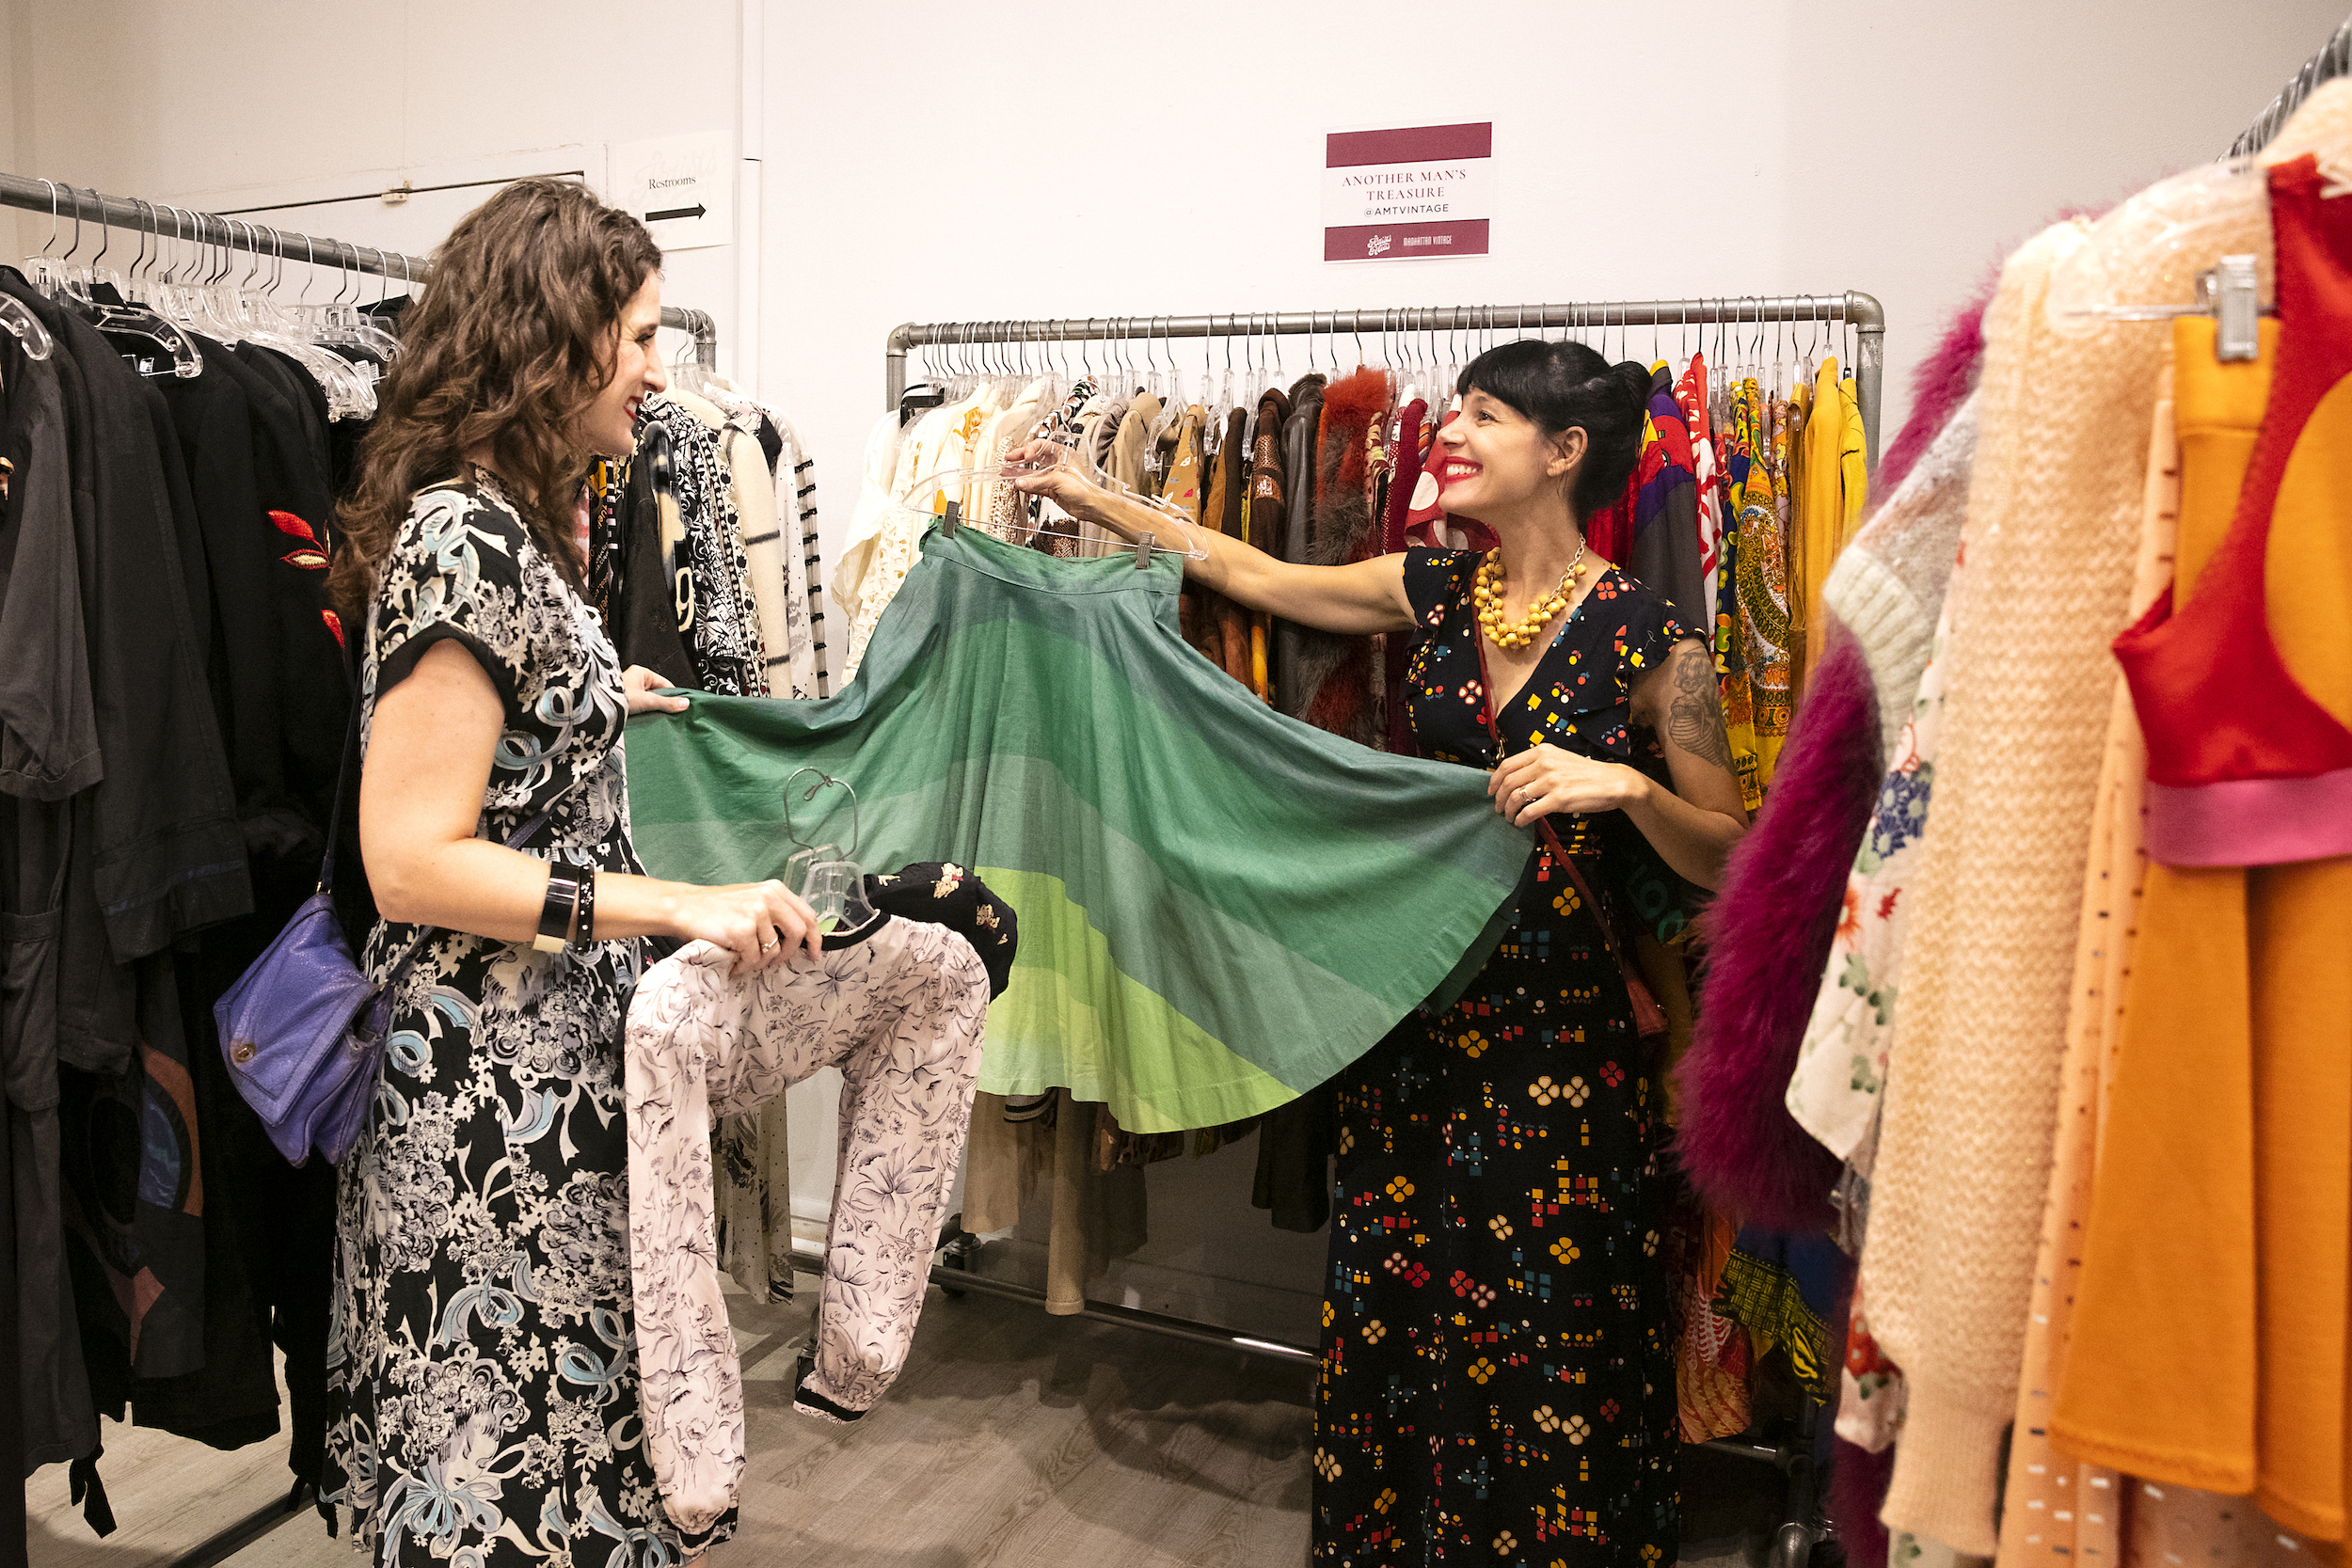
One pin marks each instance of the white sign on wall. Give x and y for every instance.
(682, 187)
(1408, 193)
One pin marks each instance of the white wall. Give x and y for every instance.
(257, 101)
(926, 161)
(1171, 165)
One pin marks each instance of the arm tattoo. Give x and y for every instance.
(1694, 718)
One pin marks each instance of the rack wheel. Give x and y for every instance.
(1792, 1547)
(955, 1247)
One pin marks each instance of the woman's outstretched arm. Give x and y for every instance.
(1356, 599)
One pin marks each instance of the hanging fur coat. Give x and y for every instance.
(1340, 677)
(1298, 485)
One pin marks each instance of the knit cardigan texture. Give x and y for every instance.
(1888, 585)
(2052, 525)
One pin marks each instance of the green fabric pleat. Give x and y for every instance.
(1220, 907)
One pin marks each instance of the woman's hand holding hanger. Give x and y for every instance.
(1361, 597)
(1060, 481)
(762, 924)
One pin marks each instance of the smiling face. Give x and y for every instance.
(1493, 460)
(609, 426)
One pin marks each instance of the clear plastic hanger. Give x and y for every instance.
(124, 320)
(348, 395)
(829, 879)
(40, 270)
(100, 276)
(2204, 234)
(21, 323)
(921, 499)
(73, 281)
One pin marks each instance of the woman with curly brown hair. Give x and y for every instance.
(484, 1386)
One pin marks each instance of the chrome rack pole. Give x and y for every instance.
(117, 211)
(1859, 311)
(2333, 60)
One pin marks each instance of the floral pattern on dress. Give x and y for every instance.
(1836, 1091)
(898, 1006)
(484, 1388)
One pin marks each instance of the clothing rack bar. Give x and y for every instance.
(2334, 59)
(1859, 311)
(954, 1275)
(224, 1545)
(201, 228)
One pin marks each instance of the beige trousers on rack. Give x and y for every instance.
(900, 1010)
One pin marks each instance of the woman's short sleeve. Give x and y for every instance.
(1651, 630)
(1434, 581)
(455, 575)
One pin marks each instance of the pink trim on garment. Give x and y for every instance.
(2251, 821)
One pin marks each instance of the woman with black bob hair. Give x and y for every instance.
(1498, 1379)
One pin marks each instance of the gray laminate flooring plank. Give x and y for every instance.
(168, 1494)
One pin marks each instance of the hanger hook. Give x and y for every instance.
(77, 224)
(130, 279)
(823, 780)
(105, 230)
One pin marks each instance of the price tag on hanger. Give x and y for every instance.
(1407, 194)
(681, 188)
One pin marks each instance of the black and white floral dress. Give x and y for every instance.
(484, 1359)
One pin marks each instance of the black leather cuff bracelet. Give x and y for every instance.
(557, 913)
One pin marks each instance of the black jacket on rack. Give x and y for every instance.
(170, 743)
(48, 754)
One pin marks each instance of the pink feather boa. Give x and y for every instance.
(1858, 1490)
(1769, 937)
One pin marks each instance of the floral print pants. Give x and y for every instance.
(898, 1006)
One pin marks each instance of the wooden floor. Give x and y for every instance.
(1012, 1438)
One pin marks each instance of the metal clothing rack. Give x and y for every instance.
(1792, 1453)
(1859, 311)
(2334, 59)
(195, 227)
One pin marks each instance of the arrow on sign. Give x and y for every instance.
(694, 212)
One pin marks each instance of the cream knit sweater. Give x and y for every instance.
(2052, 518)
(1888, 584)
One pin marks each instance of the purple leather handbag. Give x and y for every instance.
(303, 1028)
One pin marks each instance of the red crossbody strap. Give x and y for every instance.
(1649, 1020)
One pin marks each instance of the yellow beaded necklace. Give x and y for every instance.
(1486, 592)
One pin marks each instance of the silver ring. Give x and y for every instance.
(765, 946)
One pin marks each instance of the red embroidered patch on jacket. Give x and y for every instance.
(333, 624)
(288, 523)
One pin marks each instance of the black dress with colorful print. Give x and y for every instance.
(1498, 1377)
